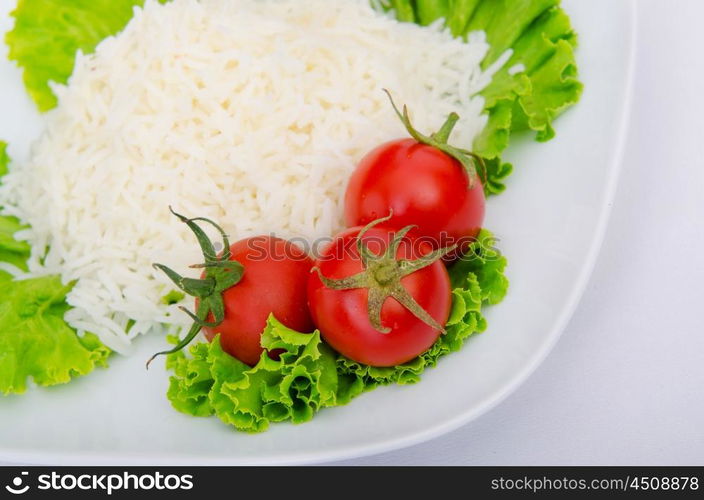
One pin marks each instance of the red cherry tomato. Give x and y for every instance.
(275, 278)
(421, 185)
(343, 317)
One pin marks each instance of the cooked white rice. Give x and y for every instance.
(252, 113)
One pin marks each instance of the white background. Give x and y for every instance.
(625, 384)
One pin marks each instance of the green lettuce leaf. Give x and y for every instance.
(404, 9)
(309, 376)
(211, 382)
(496, 173)
(36, 342)
(4, 158)
(428, 11)
(542, 40)
(547, 50)
(48, 33)
(12, 251)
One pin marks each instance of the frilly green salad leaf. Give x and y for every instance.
(48, 33)
(35, 341)
(210, 381)
(12, 251)
(542, 40)
(308, 375)
(4, 158)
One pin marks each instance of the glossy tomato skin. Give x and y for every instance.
(423, 186)
(341, 315)
(274, 282)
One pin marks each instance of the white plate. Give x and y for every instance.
(550, 221)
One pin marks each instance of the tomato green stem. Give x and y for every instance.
(443, 135)
(472, 163)
(195, 329)
(220, 273)
(382, 274)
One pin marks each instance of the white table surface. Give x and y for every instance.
(625, 384)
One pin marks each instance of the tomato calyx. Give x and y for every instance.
(472, 162)
(220, 273)
(382, 277)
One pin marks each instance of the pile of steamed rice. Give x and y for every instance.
(250, 112)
